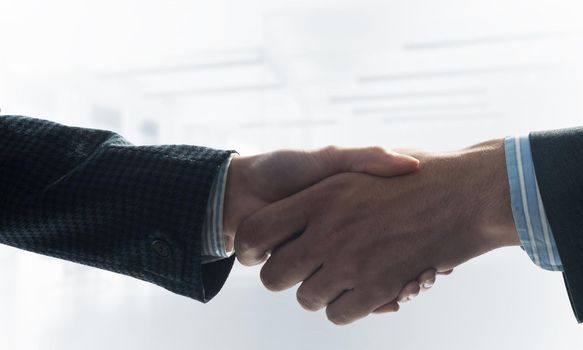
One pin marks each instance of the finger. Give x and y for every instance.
(320, 289)
(392, 306)
(446, 272)
(409, 291)
(291, 263)
(356, 304)
(427, 279)
(270, 227)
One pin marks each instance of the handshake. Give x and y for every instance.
(365, 229)
(361, 229)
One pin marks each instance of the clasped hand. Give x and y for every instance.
(363, 229)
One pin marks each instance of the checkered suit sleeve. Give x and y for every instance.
(91, 197)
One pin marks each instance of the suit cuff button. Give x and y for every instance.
(161, 248)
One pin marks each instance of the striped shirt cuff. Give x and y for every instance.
(213, 240)
(527, 207)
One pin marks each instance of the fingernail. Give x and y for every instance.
(408, 298)
(408, 158)
(427, 285)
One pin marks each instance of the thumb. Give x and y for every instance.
(370, 160)
(286, 172)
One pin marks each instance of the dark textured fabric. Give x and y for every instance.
(91, 197)
(558, 161)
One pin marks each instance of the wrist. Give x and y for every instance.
(484, 181)
(240, 201)
(466, 192)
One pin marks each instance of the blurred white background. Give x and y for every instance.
(257, 75)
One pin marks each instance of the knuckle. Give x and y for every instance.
(392, 307)
(331, 149)
(246, 255)
(377, 150)
(246, 243)
(307, 253)
(416, 288)
(243, 241)
(386, 291)
(246, 230)
(380, 288)
(329, 155)
(339, 318)
(307, 300)
(296, 265)
(347, 273)
(270, 277)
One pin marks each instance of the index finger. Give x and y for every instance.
(270, 227)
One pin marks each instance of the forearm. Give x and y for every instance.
(91, 197)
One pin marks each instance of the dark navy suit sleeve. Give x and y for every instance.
(91, 197)
(558, 162)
